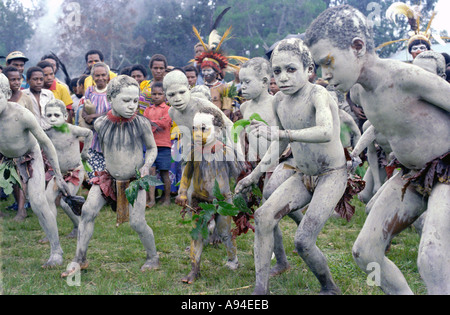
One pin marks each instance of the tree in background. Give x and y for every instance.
(15, 26)
(167, 28)
(258, 24)
(384, 29)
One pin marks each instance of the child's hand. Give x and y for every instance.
(62, 185)
(244, 185)
(260, 129)
(181, 200)
(85, 156)
(145, 170)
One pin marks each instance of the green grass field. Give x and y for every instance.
(116, 255)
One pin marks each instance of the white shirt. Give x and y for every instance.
(45, 97)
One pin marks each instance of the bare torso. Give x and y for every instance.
(417, 131)
(15, 138)
(311, 158)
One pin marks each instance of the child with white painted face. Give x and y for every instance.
(208, 164)
(21, 141)
(410, 106)
(65, 137)
(122, 135)
(308, 120)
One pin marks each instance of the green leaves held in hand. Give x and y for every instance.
(202, 220)
(240, 203)
(141, 183)
(256, 116)
(240, 125)
(8, 178)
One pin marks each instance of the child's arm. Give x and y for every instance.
(270, 159)
(367, 137)
(348, 120)
(163, 123)
(47, 146)
(322, 132)
(431, 88)
(88, 136)
(152, 149)
(185, 183)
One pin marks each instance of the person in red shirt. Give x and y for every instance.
(158, 114)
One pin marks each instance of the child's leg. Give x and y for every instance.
(139, 224)
(434, 249)
(224, 230)
(389, 215)
(19, 196)
(166, 180)
(151, 192)
(292, 194)
(39, 205)
(195, 254)
(91, 208)
(73, 192)
(329, 190)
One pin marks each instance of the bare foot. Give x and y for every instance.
(260, 291)
(73, 268)
(73, 234)
(44, 241)
(278, 269)
(151, 264)
(190, 278)
(20, 217)
(54, 261)
(150, 204)
(233, 264)
(333, 290)
(165, 202)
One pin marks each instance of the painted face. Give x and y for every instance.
(126, 102)
(138, 76)
(289, 72)
(36, 81)
(339, 67)
(251, 84)
(203, 129)
(14, 80)
(101, 77)
(192, 78)
(178, 96)
(417, 49)
(49, 77)
(92, 60)
(209, 74)
(54, 116)
(158, 70)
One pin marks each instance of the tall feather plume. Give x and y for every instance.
(197, 34)
(224, 38)
(219, 19)
(400, 8)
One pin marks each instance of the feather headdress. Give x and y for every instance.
(413, 14)
(213, 56)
